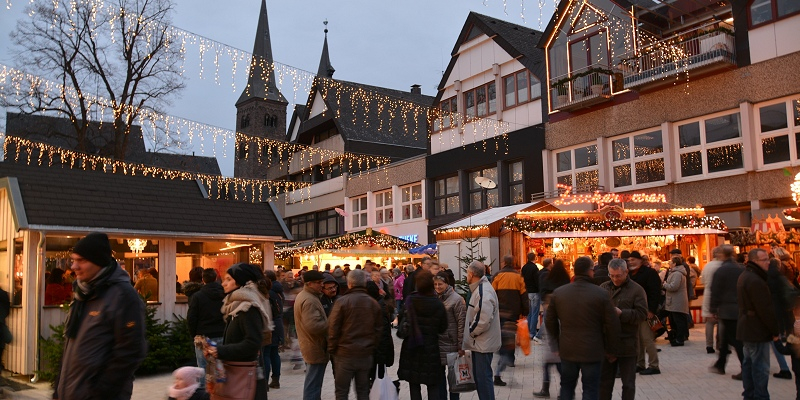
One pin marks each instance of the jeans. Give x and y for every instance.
(590, 379)
(198, 353)
(533, 315)
(482, 366)
(312, 386)
(755, 370)
(646, 345)
(727, 337)
(415, 390)
(627, 372)
(348, 368)
(780, 357)
(272, 361)
(443, 388)
(538, 334)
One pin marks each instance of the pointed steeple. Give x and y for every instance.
(261, 82)
(325, 70)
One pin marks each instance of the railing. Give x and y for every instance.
(705, 46)
(591, 83)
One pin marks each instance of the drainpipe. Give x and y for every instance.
(40, 254)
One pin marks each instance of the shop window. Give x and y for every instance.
(19, 259)
(515, 183)
(521, 87)
(638, 159)
(359, 212)
(411, 202)
(577, 167)
(445, 196)
(216, 255)
(779, 130)
(480, 198)
(384, 210)
(710, 145)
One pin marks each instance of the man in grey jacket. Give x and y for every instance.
(725, 307)
(483, 328)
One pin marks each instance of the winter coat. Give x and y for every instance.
(243, 340)
(355, 325)
(757, 322)
(99, 362)
(708, 278)
(384, 351)
(649, 280)
(781, 291)
(724, 301)
(482, 326)
(312, 327)
(582, 320)
(189, 288)
(511, 294)
(398, 287)
(204, 316)
(199, 394)
(530, 273)
(147, 287)
(675, 287)
(276, 300)
(420, 363)
(456, 309)
(601, 275)
(632, 300)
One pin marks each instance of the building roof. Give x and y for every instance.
(72, 200)
(518, 41)
(59, 132)
(262, 58)
(325, 69)
(491, 215)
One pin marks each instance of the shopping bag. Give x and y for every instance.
(383, 388)
(460, 377)
(523, 336)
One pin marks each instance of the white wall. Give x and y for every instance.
(451, 250)
(775, 40)
(398, 227)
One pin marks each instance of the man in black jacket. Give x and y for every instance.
(409, 286)
(724, 305)
(204, 316)
(530, 273)
(105, 340)
(648, 279)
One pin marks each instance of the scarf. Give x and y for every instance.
(82, 292)
(240, 300)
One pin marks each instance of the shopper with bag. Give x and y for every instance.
(450, 341)
(419, 354)
(248, 322)
(482, 330)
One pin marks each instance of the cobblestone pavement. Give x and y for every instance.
(684, 375)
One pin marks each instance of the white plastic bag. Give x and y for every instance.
(460, 377)
(383, 388)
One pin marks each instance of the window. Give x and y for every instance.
(301, 226)
(711, 145)
(244, 122)
(447, 109)
(779, 130)
(515, 186)
(445, 196)
(359, 212)
(411, 201)
(328, 223)
(578, 168)
(480, 101)
(384, 211)
(520, 87)
(480, 198)
(763, 11)
(216, 255)
(638, 159)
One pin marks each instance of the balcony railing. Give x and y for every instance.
(582, 88)
(705, 48)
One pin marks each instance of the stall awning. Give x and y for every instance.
(620, 233)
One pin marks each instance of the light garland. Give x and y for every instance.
(460, 229)
(364, 238)
(219, 187)
(587, 224)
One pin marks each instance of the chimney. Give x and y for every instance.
(415, 89)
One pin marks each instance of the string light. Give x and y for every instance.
(367, 238)
(459, 229)
(567, 198)
(597, 223)
(219, 187)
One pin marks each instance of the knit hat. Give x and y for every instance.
(95, 248)
(243, 273)
(635, 254)
(338, 273)
(312, 276)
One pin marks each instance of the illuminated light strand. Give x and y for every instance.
(348, 240)
(460, 229)
(567, 198)
(598, 223)
(219, 187)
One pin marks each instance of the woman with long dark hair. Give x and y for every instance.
(555, 278)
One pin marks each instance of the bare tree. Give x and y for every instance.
(117, 57)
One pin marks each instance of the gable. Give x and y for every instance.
(588, 16)
(474, 65)
(473, 33)
(318, 106)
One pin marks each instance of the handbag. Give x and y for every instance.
(460, 377)
(240, 383)
(655, 324)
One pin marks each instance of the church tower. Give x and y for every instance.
(261, 108)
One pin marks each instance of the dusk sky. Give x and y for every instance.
(392, 44)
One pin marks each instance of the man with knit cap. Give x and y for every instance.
(105, 336)
(312, 333)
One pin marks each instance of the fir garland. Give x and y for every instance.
(362, 238)
(576, 224)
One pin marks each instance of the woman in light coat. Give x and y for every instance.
(677, 301)
(450, 341)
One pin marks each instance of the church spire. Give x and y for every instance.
(261, 82)
(325, 68)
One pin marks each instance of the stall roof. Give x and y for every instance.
(620, 233)
(60, 199)
(495, 214)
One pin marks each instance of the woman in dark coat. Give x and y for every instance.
(419, 355)
(247, 316)
(272, 359)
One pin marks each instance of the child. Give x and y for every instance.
(187, 384)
